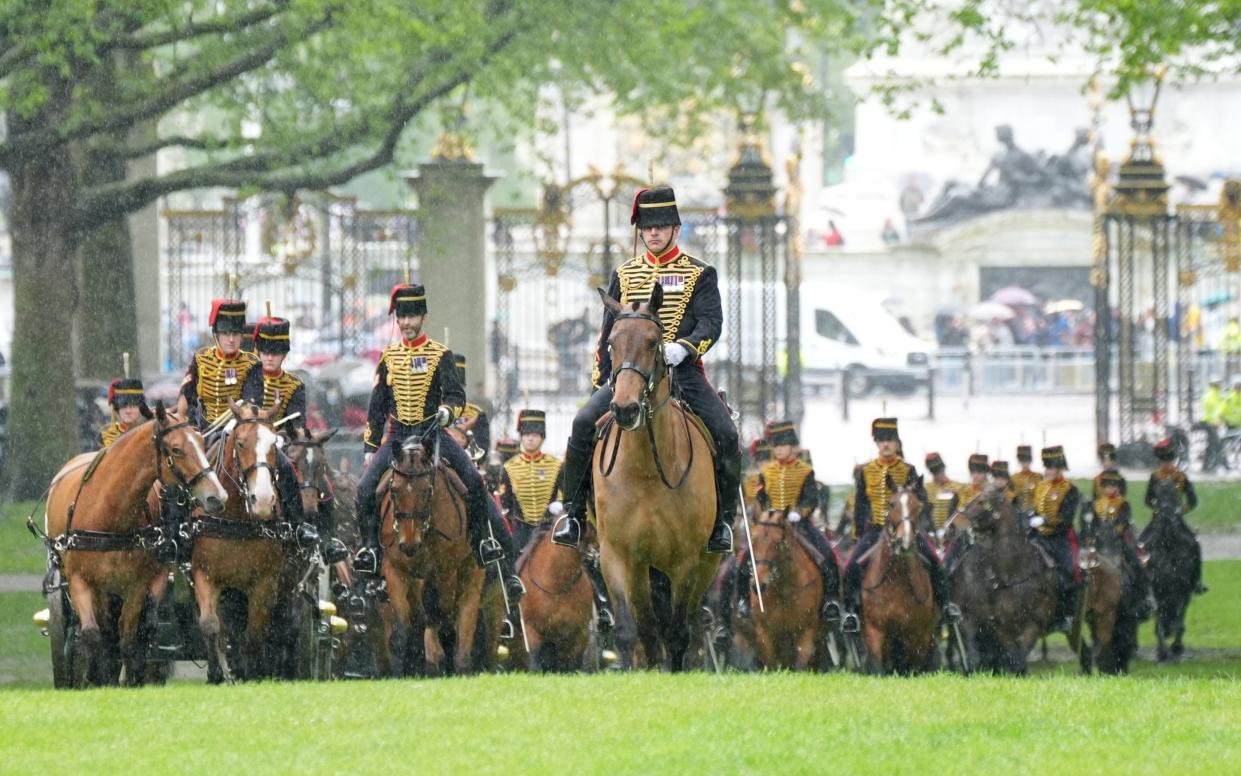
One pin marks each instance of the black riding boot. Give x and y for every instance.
(1199, 588)
(943, 601)
(306, 535)
(367, 559)
(831, 592)
(604, 620)
(728, 477)
(575, 472)
(851, 622)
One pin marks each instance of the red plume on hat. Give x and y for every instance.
(633, 214)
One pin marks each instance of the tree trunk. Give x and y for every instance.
(107, 318)
(42, 425)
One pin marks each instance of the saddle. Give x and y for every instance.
(815, 556)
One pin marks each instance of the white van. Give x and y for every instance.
(850, 333)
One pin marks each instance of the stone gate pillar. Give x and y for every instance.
(452, 256)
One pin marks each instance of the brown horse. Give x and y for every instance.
(434, 584)
(1108, 608)
(900, 619)
(654, 497)
(97, 518)
(557, 607)
(790, 633)
(243, 550)
(1004, 586)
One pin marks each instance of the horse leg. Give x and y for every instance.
(804, 647)
(400, 631)
(626, 632)
(875, 653)
(133, 647)
(466, 624)
(208, 600)
(82, 597)
(258, 627)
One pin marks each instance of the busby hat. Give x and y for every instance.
(781, 432)
(883, 428)
(760, 450)
(999, 469)
(1107, 451)
(655, 207)
(407, 299)
(507, 448)
(1024, 453)
(228, 316)
(271, 335)
(1053, 457)
(532, 422)
(934, 463)
(1111, 478)
(126, 392)
(979, 463)
(1165, 450)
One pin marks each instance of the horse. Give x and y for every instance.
(654, 496)
(242, 550)
(900, 620)
(434, 584)
(1173, 553)
(1005, 587)
(789, 634)
(1108, 607)
(102, 536)
(556, 609)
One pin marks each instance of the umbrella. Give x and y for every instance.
(985, 311)
(1014, 295)
(1063, 306)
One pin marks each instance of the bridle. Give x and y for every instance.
(901, 534)
(646, 408)
(164, 456)
(309, 480)
(423, 513)
(242, 481)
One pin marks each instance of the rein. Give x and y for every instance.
(647, 410)
(426, 508)
(323, 489)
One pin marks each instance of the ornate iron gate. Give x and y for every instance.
(327, 267)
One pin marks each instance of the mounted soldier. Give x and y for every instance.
(1025, 480)
(126, 397)
(1003, 481)
(943, 495)
(1165, 452)
(474, 417)
(873, 488)
(1107, 460)
(418, 393)
(531, 491)
(1111, 511)
(1056, 502)
(692, 317)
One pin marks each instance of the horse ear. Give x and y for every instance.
(236, 409)
(145, 409)
(322, 437)
(611, 304)
(160, 413)
(398, 454)
(657, 299)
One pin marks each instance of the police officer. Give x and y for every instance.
(1025, 480)
(126, 397)
(1056, 501)
(692, 318)
(530, 491)
(871, 504)
(1165, 452)
(1111, 511)
(418, 391)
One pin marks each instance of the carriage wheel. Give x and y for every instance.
(63, 638)
(308, 647)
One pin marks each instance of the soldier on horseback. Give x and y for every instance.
(1107, 459)
(873, 488)
(126, 397)
(692, 318)
(531, 489)
(1001, 479)
(418, 392)
(943, 494)
(1055, 504)
(1025, 480)
(1165, 451)
(1112, 511)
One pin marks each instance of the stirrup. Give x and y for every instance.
(850, 623)
(831, 610)
(567, 532)
(721, 541)
(490, 551)
(952, 612)
(507, 631)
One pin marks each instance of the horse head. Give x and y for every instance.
(412, 490)
(251, 449)
(180, 448)
(638, 368)
(902, 511)
(305, 451)
(772, 543)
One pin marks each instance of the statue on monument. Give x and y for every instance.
(1017, 178)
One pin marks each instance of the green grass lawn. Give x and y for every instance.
(20, 553)
(638, 723)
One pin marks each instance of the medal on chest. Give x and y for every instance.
(418, 365)
(672, 284)
(230, 376)
(542, 474)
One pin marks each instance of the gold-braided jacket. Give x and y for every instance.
(533, 481)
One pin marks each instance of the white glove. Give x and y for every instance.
(794, 517)
(443, 416)
(366, 459)
(555, 509)
(939, 534)
(675, 353)
(1036, 521)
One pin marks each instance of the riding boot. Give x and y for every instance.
(728, 478)
(851, 622)
(605, 620)
(831, 593)
(514, 590)
(1199, 588)
(939, 588)
(366, 560)
(575, 472)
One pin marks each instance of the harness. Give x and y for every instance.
(423, 513)
(646, 409)
(240, 530)
(786, 528)
(323, 489)
(117, 541)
